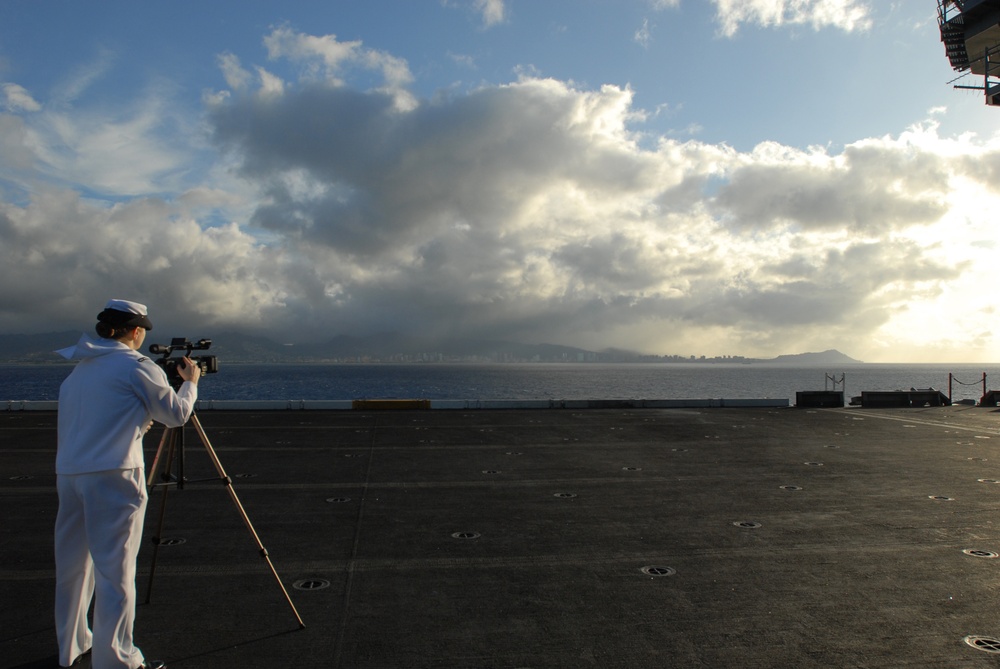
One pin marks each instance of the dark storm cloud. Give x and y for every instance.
(348, 169)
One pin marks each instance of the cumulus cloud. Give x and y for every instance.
(61, 254)
(17, 98)
(873, 186)
(531, 210)
(849, 15)
(327, 59)
(492, 12)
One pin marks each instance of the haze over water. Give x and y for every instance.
(534, 381)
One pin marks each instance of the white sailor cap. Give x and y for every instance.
(119, 313)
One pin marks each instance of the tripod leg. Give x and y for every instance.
(228, 482)
(170, 439)
(167, 436)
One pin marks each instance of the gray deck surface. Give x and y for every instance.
(515, 539)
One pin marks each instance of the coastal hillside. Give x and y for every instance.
(234, 347)
(831, 357)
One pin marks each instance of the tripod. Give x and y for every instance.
(173, 443)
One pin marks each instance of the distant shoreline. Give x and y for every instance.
(552, 363)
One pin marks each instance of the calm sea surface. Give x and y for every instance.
(533, 381)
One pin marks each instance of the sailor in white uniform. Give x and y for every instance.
(105, 406)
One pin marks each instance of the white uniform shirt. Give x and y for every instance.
(106, 403)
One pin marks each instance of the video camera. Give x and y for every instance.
(208, 363)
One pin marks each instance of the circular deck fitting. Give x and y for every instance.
(659, 571)
(565, 495)
(311, 584)
(514, 453)
(170, 541)
(988, 480)
(941, 498)
(466, 535)
(631, 469)
(492, 471)
(679, 450)
(747, 524)
(338, 500)
(790, 487)
(831, 446)
(988, 644)
(814, 464)
(975, 552)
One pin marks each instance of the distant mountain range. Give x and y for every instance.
(233, 347)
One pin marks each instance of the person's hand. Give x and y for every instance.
(190, 371)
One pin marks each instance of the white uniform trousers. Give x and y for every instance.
(97, 537)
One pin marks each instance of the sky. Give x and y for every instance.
(721, 177)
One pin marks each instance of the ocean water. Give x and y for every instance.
(535, 381)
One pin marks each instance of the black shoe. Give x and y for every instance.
(152, 665)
